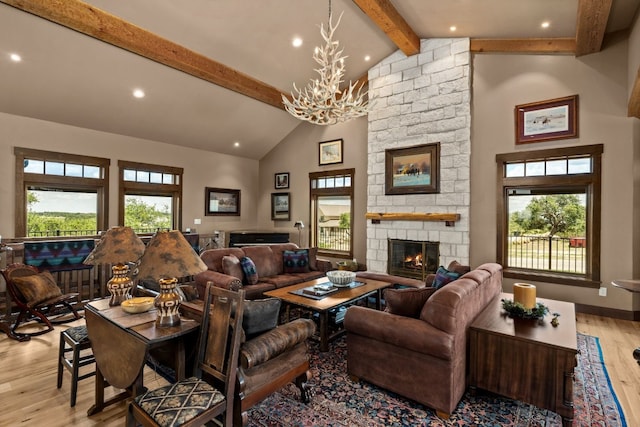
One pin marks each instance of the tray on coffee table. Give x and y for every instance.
(324, 289)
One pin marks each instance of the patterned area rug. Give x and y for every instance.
(338, 401)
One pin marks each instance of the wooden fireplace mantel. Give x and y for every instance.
(412, 216)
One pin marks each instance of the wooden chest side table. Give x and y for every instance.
(526, 360)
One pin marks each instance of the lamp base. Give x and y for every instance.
(120, 284)
(168, 303)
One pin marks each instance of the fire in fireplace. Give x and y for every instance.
(410, 258)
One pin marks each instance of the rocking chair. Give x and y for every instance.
(37, 295)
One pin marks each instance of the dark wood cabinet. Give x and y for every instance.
(528, 360)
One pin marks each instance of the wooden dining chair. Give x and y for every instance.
(36, 294)
(208, 394)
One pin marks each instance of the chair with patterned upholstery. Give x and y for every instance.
(207, 395)
(36, 294)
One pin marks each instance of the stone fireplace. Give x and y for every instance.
(414, 259)
(422, 99)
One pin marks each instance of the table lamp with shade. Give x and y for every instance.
(169, 256)
(118, 246)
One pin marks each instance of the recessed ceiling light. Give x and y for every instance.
(545, 24)
(367, 58)
(236, 144)
(296, 42)
(452, 28)
(15, 57)
(138, 93)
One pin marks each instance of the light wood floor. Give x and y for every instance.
(30, 398)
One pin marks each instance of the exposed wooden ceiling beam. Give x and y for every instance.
(543, 46)
(385, 16)
(86, 19)
(634, 99)
(591, 24)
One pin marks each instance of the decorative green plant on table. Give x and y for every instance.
(516, 309)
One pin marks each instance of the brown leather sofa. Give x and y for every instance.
(424, 357)
(268, 260)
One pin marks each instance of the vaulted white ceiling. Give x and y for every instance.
(68, 77)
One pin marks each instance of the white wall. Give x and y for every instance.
(298, 155)
(201, 169)
(500, 82)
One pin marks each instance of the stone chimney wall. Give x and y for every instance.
(422, 99)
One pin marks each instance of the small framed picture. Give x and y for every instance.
(221, 201)
(282, 180)
(280, 206)
(330, 152)
(547, 120)
(413, 170)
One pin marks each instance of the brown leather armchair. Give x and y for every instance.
(271, 357)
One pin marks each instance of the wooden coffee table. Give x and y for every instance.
(323, 306)
(526, 360)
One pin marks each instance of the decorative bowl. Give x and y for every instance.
(137, 305)
(341, 278)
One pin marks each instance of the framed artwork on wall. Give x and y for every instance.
(281, 180)
(280, 203)
(547, 120)
(330, 152)
(221, 201)
(412, 170)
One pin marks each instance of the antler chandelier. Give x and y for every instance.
(322, 102)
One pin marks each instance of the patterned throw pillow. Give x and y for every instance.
(407, 302)
(296, 261)
(37, 288)
(249, 270)
(444, 276)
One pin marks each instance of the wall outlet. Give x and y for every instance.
(602, 292)
(197, 221)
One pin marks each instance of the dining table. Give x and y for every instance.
(121, 342)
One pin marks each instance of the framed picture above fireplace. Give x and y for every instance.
(412, 170)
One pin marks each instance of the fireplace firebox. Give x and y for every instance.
(414, 259)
